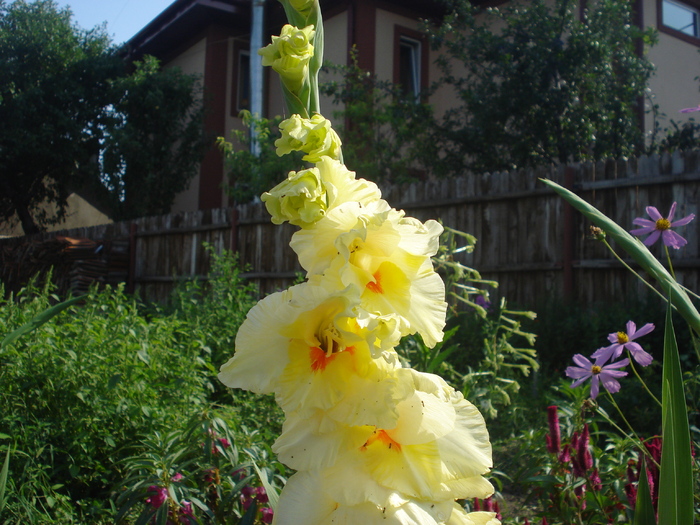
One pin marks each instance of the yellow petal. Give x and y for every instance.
(261, 351)
(461, 517)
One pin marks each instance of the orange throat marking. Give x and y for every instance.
(319, 359)
(376, 286)
(382, 437)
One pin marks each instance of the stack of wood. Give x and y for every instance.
(74, 264)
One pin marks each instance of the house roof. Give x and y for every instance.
(186, 17)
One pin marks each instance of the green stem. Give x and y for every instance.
(670, 264)
(647, 283)
(642, 380)
(622, 415)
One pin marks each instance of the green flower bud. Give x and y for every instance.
(289, 54)
(313, 136)
(301, 199)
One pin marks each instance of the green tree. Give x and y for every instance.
(74, 116)
(53, 91)
(386, 134)
(154, 141)
(537, 85)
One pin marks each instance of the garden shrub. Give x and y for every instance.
(90, 388)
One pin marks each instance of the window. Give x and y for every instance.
(240, 86)
(681, 19)
(410, 61)
(243, 98)
(409, 66)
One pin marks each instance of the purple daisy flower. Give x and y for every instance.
(597, 372)
(661, 227)
(622, 341)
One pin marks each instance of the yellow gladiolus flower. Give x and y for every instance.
(437, 450)
(305, 500)
(384, 254)
(461, 517)
(313, 136)
(307, 195)
(307, 347)
(289, 54)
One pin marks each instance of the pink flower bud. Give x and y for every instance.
(554, 436)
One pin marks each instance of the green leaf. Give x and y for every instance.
(3, 479)
(249, 517)
(38, 320)
(636, 249)
(676, 476)
(272, 495)
(644, 510)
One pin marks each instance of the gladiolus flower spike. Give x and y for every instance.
(370, 441)
(597, 372)
(661, 227)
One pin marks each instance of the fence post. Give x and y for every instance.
(568, 248)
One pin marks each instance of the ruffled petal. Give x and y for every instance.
(460, 517)
(261, 351)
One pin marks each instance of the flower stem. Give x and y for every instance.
(670, 264)
(642, 380)
(631, 270)
(619, 411)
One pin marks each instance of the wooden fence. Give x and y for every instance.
(529, 240)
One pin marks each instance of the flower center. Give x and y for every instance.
(382, 437)
(622, 338)
(663, 224)
(595, 369)
(376, 286)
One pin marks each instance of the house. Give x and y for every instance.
(211, 38)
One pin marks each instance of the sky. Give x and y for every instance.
(124, 18)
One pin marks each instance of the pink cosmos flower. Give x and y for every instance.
(177, 477)
(661, 227)
(625, 341)
(266, 514)
(597, 372)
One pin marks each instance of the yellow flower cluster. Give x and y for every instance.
(371, 442)
(289, 54)
(313, 136)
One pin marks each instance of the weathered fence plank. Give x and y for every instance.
(527, 240)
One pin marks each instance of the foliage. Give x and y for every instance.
(53, 92)
(201, 474)
(386, 133)
(556, 482)
(252, 174)
(536, 85)
(100, 381)
(155, 139)
(65, 95)
(478, 354)
(685, 136)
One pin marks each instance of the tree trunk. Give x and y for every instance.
(29, 227)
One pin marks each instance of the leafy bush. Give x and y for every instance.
(99, 382)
